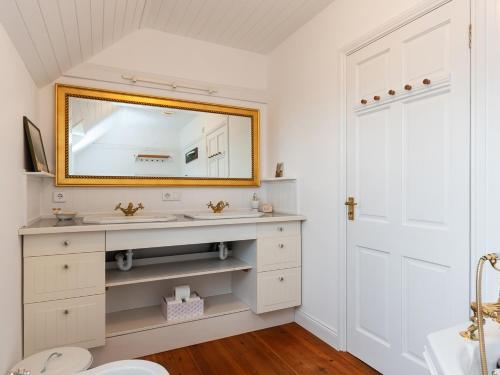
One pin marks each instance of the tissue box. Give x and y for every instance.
(192, 308)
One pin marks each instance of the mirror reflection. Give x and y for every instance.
(109, 138)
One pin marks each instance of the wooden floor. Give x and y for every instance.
(282, 350)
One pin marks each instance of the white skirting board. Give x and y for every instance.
(317, 328)
(177, 336)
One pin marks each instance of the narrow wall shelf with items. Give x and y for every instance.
(39, 174)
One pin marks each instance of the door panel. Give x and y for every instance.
(408, 169)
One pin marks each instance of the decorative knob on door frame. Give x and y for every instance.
(426, 81)
(408, 87)
(391, 92)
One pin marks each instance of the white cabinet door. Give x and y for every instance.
(408, 169)
(218, 158)
(278, 290)
(75, 321)
(63, 276)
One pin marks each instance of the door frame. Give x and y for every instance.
(478, 137)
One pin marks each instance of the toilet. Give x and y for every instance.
(73, 360)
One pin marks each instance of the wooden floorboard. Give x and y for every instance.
(284, 350)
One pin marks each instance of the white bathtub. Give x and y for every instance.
(447, 353)
(130, 367)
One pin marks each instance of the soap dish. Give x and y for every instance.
(64, 215)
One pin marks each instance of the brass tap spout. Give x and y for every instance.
(219, 207)
(130, 210)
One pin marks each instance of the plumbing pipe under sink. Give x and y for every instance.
(124, 260)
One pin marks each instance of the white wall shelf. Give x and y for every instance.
(174, 270)
(146, 318)
(39, 174)
(278, 179)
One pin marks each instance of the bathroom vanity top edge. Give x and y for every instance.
(51, 226)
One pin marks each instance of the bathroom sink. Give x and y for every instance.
(224, 215)
(115, 219)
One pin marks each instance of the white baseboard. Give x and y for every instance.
(318, 328)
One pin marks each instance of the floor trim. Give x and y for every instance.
(318, 328)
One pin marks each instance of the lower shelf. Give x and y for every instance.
(145, 318)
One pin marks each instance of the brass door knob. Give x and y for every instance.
(408, 87)
(350, 203)
(426, 81)
(391, 92)
(364, 101)
(376, 98)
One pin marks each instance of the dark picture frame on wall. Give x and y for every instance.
(35, 145)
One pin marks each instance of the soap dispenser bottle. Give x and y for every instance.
(255, 202)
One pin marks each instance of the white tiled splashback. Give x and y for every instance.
(283, 196)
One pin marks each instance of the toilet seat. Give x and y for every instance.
(70, 361)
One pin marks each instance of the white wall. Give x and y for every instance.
(18, 96)
(160, 55)
(305, 134)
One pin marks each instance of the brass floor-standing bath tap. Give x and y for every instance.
(480, 310)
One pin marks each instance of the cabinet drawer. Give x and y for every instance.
(278, 289)
(290, 228)
(63, 243)
(63, 276)
(275, 253)
(75, 321)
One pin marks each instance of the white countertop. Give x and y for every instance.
(47, 226)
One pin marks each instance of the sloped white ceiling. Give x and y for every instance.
(53, 36)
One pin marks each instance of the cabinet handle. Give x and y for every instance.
(408, 87)
(66, 312)
(281, 246)
(376, 98)
(280, 229)
(66, 267)
(66, 243)
(364, 101)
(391, 92)
(426, 81)
(281, 278)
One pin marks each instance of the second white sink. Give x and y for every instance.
(98, 219)
(224, 215)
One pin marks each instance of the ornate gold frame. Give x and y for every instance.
(63, 92)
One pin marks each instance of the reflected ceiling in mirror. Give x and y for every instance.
(112, 138)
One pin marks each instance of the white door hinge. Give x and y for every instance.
(470, 35)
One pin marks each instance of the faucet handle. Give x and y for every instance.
(118, 206)
(140, 206)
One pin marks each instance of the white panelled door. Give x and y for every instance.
(408, 170)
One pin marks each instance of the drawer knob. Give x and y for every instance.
(281, 278)
(66, 243)
(281, 246)
(66, 312)
(66, 267)
(280, 229)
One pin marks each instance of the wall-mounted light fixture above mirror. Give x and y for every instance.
(109, 138)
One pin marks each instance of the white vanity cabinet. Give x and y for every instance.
(64, 301)
(72, 298)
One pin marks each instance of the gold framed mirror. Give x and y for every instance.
(110, 138)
